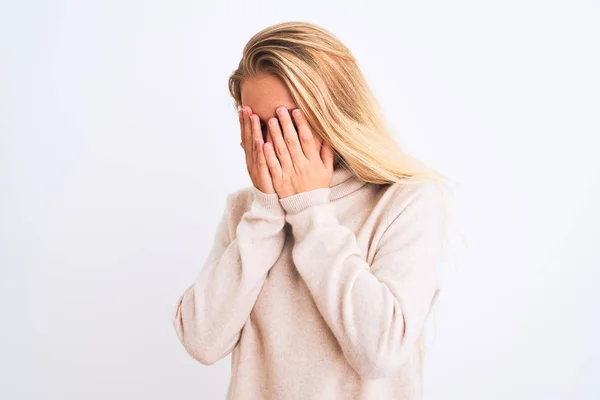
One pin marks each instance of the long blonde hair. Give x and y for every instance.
(327, 85)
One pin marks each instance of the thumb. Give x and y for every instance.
(327, 156)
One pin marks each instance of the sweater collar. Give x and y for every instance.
(344, 182)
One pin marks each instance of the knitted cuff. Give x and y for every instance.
(301, 201)
(268, 202)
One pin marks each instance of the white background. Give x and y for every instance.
(119, 143)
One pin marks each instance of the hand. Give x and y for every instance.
(295, 161)
(252, 143)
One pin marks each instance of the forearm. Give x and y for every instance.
(211, 313)
(375, 317)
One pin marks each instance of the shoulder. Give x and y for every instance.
(239, 196)
(413, 199)
(414, 219)
(238, 202)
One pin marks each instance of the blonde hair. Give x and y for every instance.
(327, 85)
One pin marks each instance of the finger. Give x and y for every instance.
(241, 121)
(260, 156)
(306, 138)
(243, 128)
(257, 139)
(256, 130)
(272, 161)
(290, 135)
(327, 156)
(279, 145)
(247, 131)
(269, 137)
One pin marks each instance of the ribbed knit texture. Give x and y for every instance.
(320, 295)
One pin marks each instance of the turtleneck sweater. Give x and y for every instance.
(320, 295)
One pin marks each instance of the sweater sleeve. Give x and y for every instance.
(377, 311)
(209, 316)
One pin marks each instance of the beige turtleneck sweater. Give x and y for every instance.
(320, 295)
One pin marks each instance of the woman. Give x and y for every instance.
(322, 272)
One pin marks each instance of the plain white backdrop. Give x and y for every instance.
(119, 143)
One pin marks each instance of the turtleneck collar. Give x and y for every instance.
(343, 182)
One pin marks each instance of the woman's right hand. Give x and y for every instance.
(252, 143)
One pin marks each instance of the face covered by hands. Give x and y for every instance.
(297, 162)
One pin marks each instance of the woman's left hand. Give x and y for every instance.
(296, 162)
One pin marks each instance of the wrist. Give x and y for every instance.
(301, 201)
(267, 201)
